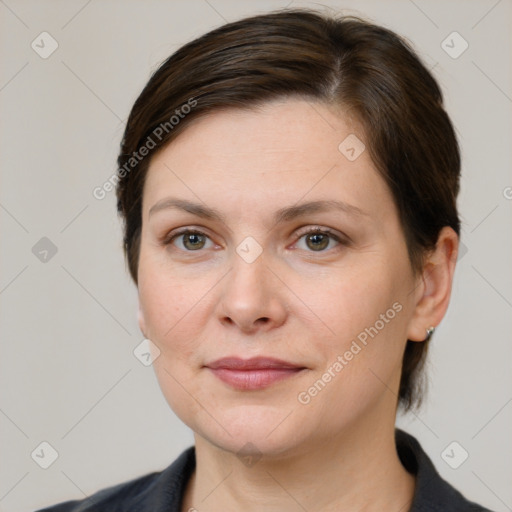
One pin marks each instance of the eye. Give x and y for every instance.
(191, 240)
(317, 239)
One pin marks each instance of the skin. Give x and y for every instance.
(294, 302)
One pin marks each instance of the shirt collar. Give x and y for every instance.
(432, 493)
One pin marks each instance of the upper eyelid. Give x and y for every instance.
(299, 231)
(168, 237)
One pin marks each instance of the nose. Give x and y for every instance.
(253, 297)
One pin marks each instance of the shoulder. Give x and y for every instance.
(432, 492)
(155, 492)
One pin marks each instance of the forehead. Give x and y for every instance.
(292, 124)
(274, 155)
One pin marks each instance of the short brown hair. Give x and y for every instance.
(343, 61)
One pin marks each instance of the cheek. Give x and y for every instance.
(365, 312)
(170, 307)
(361, 361)
(349, 302)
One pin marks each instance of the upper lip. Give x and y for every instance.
(254, 363)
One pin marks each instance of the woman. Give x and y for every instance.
(288, 187)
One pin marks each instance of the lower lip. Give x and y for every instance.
(254, 379)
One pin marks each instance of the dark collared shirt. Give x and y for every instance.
(163, 491)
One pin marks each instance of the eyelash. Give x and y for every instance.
(168, 240)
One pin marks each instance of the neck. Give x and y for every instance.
(356, 470)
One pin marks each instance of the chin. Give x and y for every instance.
(259, 429)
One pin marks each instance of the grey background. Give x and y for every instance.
(68, 324)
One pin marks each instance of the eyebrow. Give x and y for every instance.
(283, 215)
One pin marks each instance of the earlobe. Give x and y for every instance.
(436, 285)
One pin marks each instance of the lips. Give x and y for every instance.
(252, 374)
(255, 363)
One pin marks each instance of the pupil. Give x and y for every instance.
(194, 239)
(321, 238)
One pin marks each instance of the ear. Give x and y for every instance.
(141, 321)
(434, 286)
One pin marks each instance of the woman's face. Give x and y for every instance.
(336, 307)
